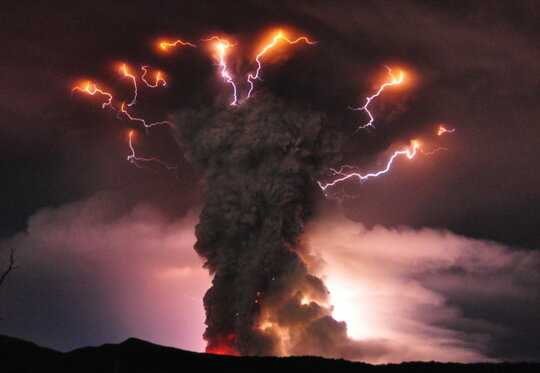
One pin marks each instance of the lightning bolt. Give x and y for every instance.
(279, 36)
(142, 121)
(92, 89)
(165, 45)
(158, 78)
(125, 72)
(441, 130)
(409, 152)
(221, 47)
(134, 159)
(391, 82)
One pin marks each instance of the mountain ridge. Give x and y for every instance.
(137, 355)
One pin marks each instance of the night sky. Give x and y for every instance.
(450, 242)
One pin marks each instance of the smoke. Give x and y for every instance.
(100, 270)
(259, 164)
(435, 294)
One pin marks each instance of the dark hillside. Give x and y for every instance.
(134, 355)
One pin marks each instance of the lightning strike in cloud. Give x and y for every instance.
(92, 89)
(124, 70)
(391, 82)
(142, 121)
(409, 152)
(165, 45)
(135, 160)
(221, 46)
(279, 36)
(158, 78)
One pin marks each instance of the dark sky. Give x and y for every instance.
(475, 67)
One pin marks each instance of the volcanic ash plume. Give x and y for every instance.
(259, 164)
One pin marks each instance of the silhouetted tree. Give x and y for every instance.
(10, 267)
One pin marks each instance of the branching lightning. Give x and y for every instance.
(279, 36)
(221, 46)
(134, 159)
(123, 110)
(92, 89)
(391, 82)
(409, 152)
(127, 74)
(158, 78)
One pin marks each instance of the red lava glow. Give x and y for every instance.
(223, 346)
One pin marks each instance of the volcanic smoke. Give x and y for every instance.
(260, 166)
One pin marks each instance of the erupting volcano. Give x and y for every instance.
(261, 162)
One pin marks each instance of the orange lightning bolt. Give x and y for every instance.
(91, 89)
(127, 74)
(278, 36)
(441, 130)
(165, 45)
(393, 81)
(221, 46)
(158, 78)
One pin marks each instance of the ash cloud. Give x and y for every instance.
(259, 162)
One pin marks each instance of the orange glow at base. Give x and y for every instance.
(223, 346)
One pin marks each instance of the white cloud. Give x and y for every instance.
(416, 287)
